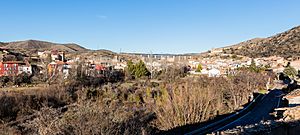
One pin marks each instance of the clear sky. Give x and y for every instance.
(158, 26)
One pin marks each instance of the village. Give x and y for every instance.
(216, 63)
(213, 64)
(54, 62)
(149, 67)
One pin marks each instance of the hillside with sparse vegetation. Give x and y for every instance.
(43, 45)
(286, 44)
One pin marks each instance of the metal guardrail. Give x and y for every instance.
(205, 128)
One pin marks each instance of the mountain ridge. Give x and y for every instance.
(285, 44)
(42, 45)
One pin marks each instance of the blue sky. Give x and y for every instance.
(158, 26)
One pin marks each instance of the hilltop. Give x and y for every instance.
(286, 44)
(2, 44)
(43, 45)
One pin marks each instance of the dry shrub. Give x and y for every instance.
(194, 100)
(16, 105)
(97, 116)
(126, 108)
(5, 130)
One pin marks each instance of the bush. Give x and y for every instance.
(199, 99)
(22, 78)
(137, 70)
(93, 106)
(4, 80)
(290, 71)
(173, 73)
(88, 117)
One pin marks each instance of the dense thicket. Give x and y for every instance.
(132, 107)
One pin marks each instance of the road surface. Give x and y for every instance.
(259, 112)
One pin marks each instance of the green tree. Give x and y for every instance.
(129, 71)
(141, 70)
(255, 68)
(130, 67)
(199, 68)
(137, 70)
(290, 71)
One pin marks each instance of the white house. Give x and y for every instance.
(214, 72)
(295, 64)
(24, 68)
(40, 53)
(293, 98)
(194, 64)
(120, 66)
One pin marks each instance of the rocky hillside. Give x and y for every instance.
(42, 45)
(2, 44)
(286, 44)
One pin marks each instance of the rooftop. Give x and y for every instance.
(294, 93)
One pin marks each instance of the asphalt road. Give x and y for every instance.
(259, 112)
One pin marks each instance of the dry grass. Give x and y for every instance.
(22, 89)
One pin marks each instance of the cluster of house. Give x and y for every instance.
(93, 65)
(292, 111)
(13, 64)
(101, 64)
(217, 66)
(214, 66)
(98, 63)
(224, 64)
(59, 64)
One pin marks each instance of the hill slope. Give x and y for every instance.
(286, 44)
(43, 45)
(2, 44)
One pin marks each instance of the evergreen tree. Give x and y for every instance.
(199, 68)
(141, 70)
(137, 70)
(255, 68)
(130, 67)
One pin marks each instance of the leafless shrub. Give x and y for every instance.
(87, 118)
(194, 100)
(135, 107)
(5, 130)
